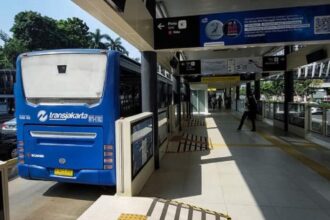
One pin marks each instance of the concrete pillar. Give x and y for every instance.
(149, 94)
(288, 90)
(257, 93)
(178, 89)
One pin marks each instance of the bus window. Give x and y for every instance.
(64, 78)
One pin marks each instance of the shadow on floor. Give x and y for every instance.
(79, 191)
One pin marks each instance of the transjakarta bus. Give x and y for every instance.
(67, 102)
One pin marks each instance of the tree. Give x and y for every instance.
(3, 36)
(97, 38)
(117, 45)
(11, 50)
(303, 87)
(272, 88)
(74, 33)
(36, 32)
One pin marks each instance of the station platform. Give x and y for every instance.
(266, 174)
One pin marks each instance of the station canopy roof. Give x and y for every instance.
(135, 23)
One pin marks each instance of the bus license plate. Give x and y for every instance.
(63, 172)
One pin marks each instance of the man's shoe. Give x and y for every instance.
(253, 130)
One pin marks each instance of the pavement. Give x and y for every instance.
(247, 175)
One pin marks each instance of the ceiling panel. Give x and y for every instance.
(177, 8)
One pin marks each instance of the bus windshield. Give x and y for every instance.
(62, 78)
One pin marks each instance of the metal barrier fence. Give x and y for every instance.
(319, 120)
(297, 114)
(312, 118)
(278, 111)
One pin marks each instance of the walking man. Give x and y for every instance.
(250, 111)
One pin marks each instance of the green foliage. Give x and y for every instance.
(117, 45)
(97, 40)
(303, 87)
(35, 31)
(74, 33)
(11, 50)
(32, 31)
(272, 88)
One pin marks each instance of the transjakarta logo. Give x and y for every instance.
(43, 116)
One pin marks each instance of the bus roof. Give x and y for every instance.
(64, 51)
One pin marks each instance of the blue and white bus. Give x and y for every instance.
(67, 102)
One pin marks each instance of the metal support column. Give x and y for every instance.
(257, 89)
(248, 88)
(178, 89)
(188, 100)
(149, 94)
(288, 90)
(237, 96)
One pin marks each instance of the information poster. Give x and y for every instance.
(231, 66)
(310, 23)
(142, 144)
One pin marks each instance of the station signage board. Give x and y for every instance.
(274, 63)
(190, 67)
(227, 66)
(178, 32)
(221, 79)
(269, 26)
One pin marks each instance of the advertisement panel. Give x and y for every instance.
(142, 144)
(310, 23)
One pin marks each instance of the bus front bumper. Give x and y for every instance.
(94, 177)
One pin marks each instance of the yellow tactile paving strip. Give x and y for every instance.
(125, 216)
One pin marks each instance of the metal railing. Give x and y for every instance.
(312, 118)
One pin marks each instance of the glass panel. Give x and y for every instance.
(194, 100)
(328, 122)
(67, 76)
(297, 115)
(316, 119)
(201, 100)
(279, 111)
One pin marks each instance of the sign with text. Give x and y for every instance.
(190, 67)
(221, 79)
(310, 23)
(274, 63)
(176, 32)
(268, 26)
(231, 66)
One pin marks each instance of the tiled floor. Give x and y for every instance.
(247, 182)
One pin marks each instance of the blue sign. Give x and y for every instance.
(310, 23)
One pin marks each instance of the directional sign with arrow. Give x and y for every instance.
(160, 26)
(176, 32)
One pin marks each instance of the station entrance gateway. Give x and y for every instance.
(180, 146)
